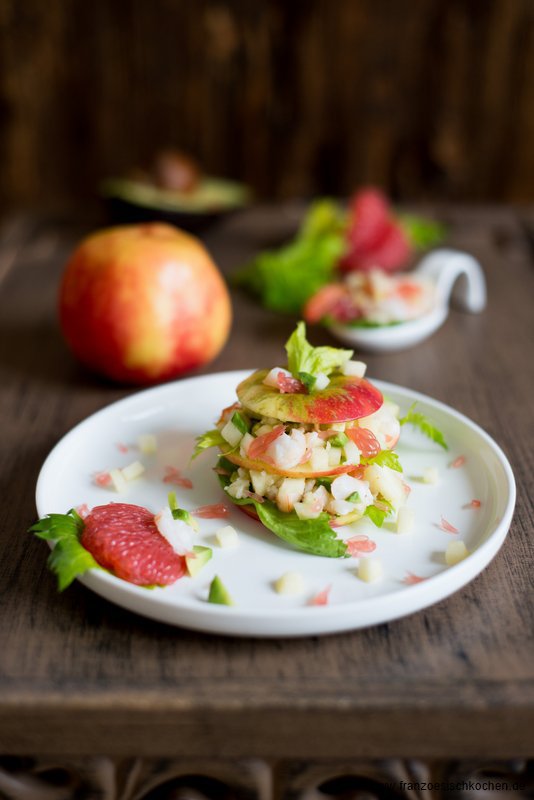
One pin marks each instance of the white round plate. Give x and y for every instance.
(176, 413)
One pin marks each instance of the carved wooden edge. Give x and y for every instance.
(45, 778)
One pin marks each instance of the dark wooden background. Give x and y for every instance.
(429, 98)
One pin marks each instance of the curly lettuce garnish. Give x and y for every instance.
(418, 420)
(212, 438)
(68, 559)
(385, 458)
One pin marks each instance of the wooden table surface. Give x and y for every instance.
(83, 676)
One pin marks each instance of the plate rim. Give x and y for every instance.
(422, 594)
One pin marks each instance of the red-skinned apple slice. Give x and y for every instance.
(345, 398)
(296, 472)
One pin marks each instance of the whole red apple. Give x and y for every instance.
(143, 303)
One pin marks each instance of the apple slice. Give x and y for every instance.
(345, 398)
(300, 471)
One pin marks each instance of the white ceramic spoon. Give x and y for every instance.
(458, 277)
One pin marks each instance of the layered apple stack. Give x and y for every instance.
(312, 453)
(310, 448)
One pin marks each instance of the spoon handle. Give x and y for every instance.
(457, 276)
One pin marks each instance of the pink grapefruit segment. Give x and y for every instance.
(124, 539)
(260, 444)
(365, 441)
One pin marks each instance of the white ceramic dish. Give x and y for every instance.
(457, 276)
(177, 412)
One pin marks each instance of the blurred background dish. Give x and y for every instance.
(431, 101)
(175, 190)
(443, 276)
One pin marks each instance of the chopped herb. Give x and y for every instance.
(181, 513)
(308, 380)
(339, 440)
(354, 497)
(376, 515)
(240, 422)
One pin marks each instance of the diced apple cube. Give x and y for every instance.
(227, 536)
(118, 480)
(321, 381)
(259, 481)
(355, 369)
(334, 457)
(319, 460)
(290, 583)
(431, 475)
(456, 551)
(405, 520)
(306, 511)
(319, 495)
(133, 471)
(231, 434)
(312, 439)
(246, 441)
(338, 426)
(352, 453)
(147, 443)
(197, 558)
(238, 488)
(370, 569)
(386, 482)
(391, 409)
(262, 429)
(289, 493)
(341, 507)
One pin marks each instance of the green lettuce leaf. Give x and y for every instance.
(303, 357)
(362, 323)
(313, 536)
(422, 232)
(68, 559)
(418, 420)
(286, 278)
(209, 439)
